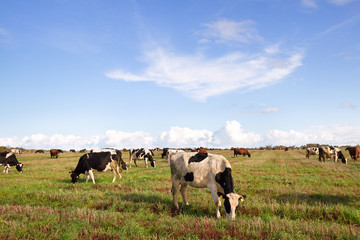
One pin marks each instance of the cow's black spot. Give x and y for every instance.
(189, 177)
(225, 180)
(198, 157)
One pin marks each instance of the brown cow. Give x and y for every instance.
(354, 152)
(241, 151)
(54, 153)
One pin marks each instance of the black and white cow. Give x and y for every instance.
(8, 160)
(116, 154)
(331, 152)
(311, 151)
(203, 170)
(142, 153)
(101, 161)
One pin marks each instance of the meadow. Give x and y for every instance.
(288, 197)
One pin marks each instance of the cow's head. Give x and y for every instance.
(19, 167)
(249, 155)
(123, 165)
(74, 177)
(151, 159)
(231, 202)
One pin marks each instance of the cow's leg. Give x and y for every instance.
(6, 169)
(135, 162)
(183, 193)
(115, 168)
(216, 199)
(335, 157)
(130, 159)
(92, 176)
(146, 162)
(87, 176)
(174, 190)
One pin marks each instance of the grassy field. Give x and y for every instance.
(288, 197)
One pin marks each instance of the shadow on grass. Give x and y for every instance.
(159, 203)
(315, 199)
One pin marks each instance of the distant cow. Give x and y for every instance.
(39, 151)
(331, 152)
(311, 151)
(203, 170)
(72, 150)
(54, 153)
(83, 150)
(100, 161)
(164, 152)
(354, 152)
(142, 153)
(8, 160)
(241, 151)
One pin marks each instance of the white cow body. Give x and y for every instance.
(202, 170)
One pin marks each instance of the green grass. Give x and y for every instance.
(288, 197)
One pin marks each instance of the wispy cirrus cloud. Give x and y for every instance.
(200, 77)
(309, 3)
(267, 110)
(348, 105)
(226, 30)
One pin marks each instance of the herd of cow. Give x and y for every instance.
(197, 168)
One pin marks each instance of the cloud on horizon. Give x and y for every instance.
(232, 134)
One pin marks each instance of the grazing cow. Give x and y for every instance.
(311, 151)
(8, 160)
(241, 151)
(39, 151)
(60, 151)
(331, 152)
(100, 161)
(54, 153)
(203, 170)
(83, 150)
(142, 153)
(354, 152)
(72, 150)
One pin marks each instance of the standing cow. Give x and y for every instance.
(241, 151)
(311, 151)
(354, 152)
(54, 153)
(142, 153)
(331, 152)
(203, 170)
(100, 161)
(8, 160)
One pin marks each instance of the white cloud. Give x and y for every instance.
(348, 105)
(232, 134)
(267, 110)
(180, 137)
(309, 3)
(225, 30)
(341, 2)
(200, 78)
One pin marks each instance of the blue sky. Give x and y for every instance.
(78, 74)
